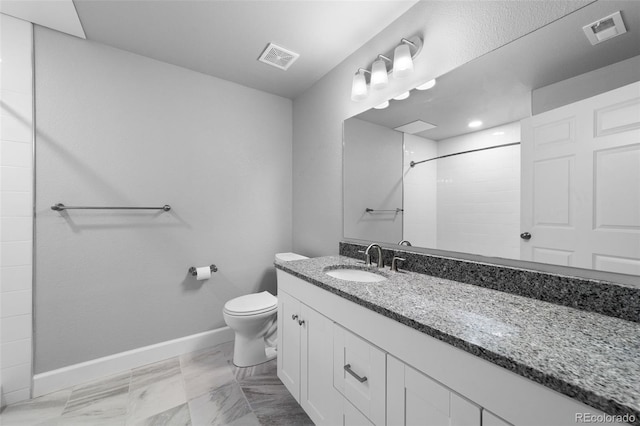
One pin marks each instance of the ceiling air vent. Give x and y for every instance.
(278, 57)
(415, 127)
(605, 28)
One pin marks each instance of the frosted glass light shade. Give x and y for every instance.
(402, 62)
(379, 76)
(359, 89)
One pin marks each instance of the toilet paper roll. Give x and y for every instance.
(203, 273)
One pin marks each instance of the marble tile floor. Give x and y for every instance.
(200, 388)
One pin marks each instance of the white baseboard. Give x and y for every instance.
(72, 375)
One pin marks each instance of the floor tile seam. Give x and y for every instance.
(64, 407)
(244, 395)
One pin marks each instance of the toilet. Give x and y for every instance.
(253, 319)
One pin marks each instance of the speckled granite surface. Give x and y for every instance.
(587, 356)
(590, 295)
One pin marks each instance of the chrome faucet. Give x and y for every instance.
(367, 255)
(404, 243)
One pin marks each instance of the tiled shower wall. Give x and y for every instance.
(475, 196)
(479, 193)
(16, 207)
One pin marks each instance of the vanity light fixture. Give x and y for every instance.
(428, 85)
(475, 123)
(359, 89)
(403, 56)
(402, 96)
(382, 105)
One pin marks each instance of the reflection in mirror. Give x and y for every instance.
(551, 174)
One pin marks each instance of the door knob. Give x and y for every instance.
(525, 236)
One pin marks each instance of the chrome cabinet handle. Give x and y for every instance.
(300, 322)
(294, 317)
(348, 369)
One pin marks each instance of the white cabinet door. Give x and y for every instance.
(490, 419)
(416, 399)
(352, 417)
(305, 359)
(318, 397)
(289, 343)
(581, 183)
(359, 373)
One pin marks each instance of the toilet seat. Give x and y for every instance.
(251, 304)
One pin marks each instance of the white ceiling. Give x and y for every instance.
(225, 38)
(57, 14)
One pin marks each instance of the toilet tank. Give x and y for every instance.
(285, 257)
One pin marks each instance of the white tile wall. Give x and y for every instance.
(478, 194)
(16, 209)
(420, 210)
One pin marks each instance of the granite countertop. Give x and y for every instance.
(590, 357)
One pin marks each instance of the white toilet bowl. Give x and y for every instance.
(253, 318)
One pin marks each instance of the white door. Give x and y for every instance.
(289, 343)
(581, 183)
(318, 397)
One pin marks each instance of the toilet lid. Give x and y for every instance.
(250, 304)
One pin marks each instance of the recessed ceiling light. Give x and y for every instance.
(402, 96)
(428, 85)
(382, 105)
(475, 123)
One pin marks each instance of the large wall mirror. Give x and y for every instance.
(549, 172)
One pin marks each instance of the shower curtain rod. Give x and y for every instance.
(60, 207)
(413, 163)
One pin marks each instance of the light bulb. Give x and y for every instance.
(428, 85)
(402, 62)
(379, 76)
(359, 89)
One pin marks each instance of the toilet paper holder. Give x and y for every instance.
(192, 270)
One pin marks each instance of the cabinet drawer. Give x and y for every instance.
(359, 373)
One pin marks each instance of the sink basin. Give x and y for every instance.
(355, 275)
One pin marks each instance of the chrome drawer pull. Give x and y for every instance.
(294, 317)
(348, 369)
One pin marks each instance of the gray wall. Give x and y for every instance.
(454, 33)
(114, 128)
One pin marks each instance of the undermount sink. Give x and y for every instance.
(348, 274)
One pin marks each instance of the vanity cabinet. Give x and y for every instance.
(411, 378)
(416, 399)
(305, 359)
